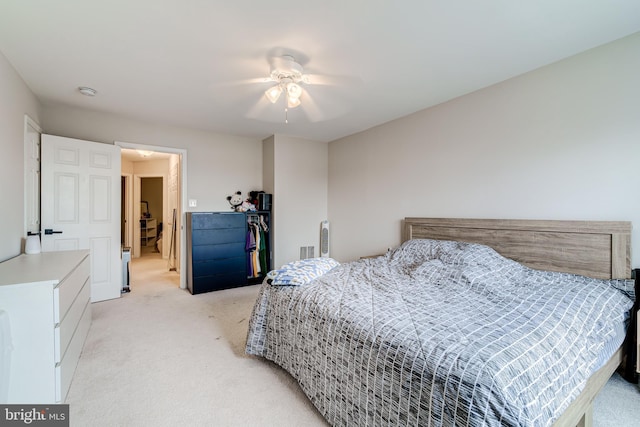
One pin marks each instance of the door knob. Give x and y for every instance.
(50, 231)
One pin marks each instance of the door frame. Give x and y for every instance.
(31, 194)
(128, 209)
(182, 196)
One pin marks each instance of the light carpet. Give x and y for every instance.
(160, 356)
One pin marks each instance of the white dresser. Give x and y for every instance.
(47, 300)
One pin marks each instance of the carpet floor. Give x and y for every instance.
(160, 356)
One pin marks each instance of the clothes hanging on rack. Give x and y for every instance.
(256, 253)
(250, 247)
(263, 250)
(256, 246)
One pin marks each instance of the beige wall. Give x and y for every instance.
(16, 100)
(153, 187)
(151, 191)
(218, 165)
(561, 142)
(299, 174)
(157, 176)
(268, 164)
(127, 167)
(171, 250)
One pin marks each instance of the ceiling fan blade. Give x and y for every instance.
(258, 109)
(242, 82)
(324, 96)
(331, 80)
(310, 107)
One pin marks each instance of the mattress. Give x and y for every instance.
(440, 333)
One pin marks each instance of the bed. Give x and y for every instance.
(468, 322)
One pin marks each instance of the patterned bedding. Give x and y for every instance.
(439, 333)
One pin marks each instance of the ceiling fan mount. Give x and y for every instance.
(286, 67)
(287, 74)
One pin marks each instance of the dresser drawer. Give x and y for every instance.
(47, 297)
(64, 330)
(211, 220)
(217, 282)
(219, 251)
(65, 293)
(218, 236)
(216, 267)
(67, 366)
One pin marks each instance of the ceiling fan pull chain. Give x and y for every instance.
(286, 116)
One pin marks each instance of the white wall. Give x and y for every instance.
(16, 100)
(299, 175)
(561, 142)
(218, 165)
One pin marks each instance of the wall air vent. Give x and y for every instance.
(307, 252)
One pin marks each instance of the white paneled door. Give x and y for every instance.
(80, 206)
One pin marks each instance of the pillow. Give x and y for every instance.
(301, 272)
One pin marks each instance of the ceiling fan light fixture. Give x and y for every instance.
(145, 153)
(273, 93)
(294, 90)
(292, 102)
(286, 73)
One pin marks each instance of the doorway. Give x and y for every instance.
(152, 216)
(154, 183)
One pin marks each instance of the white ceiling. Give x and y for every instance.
(135, 156)
(187, 62)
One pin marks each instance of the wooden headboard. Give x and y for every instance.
(600, 249)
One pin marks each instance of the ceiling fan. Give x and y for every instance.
(289, 82)
(287, 75)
